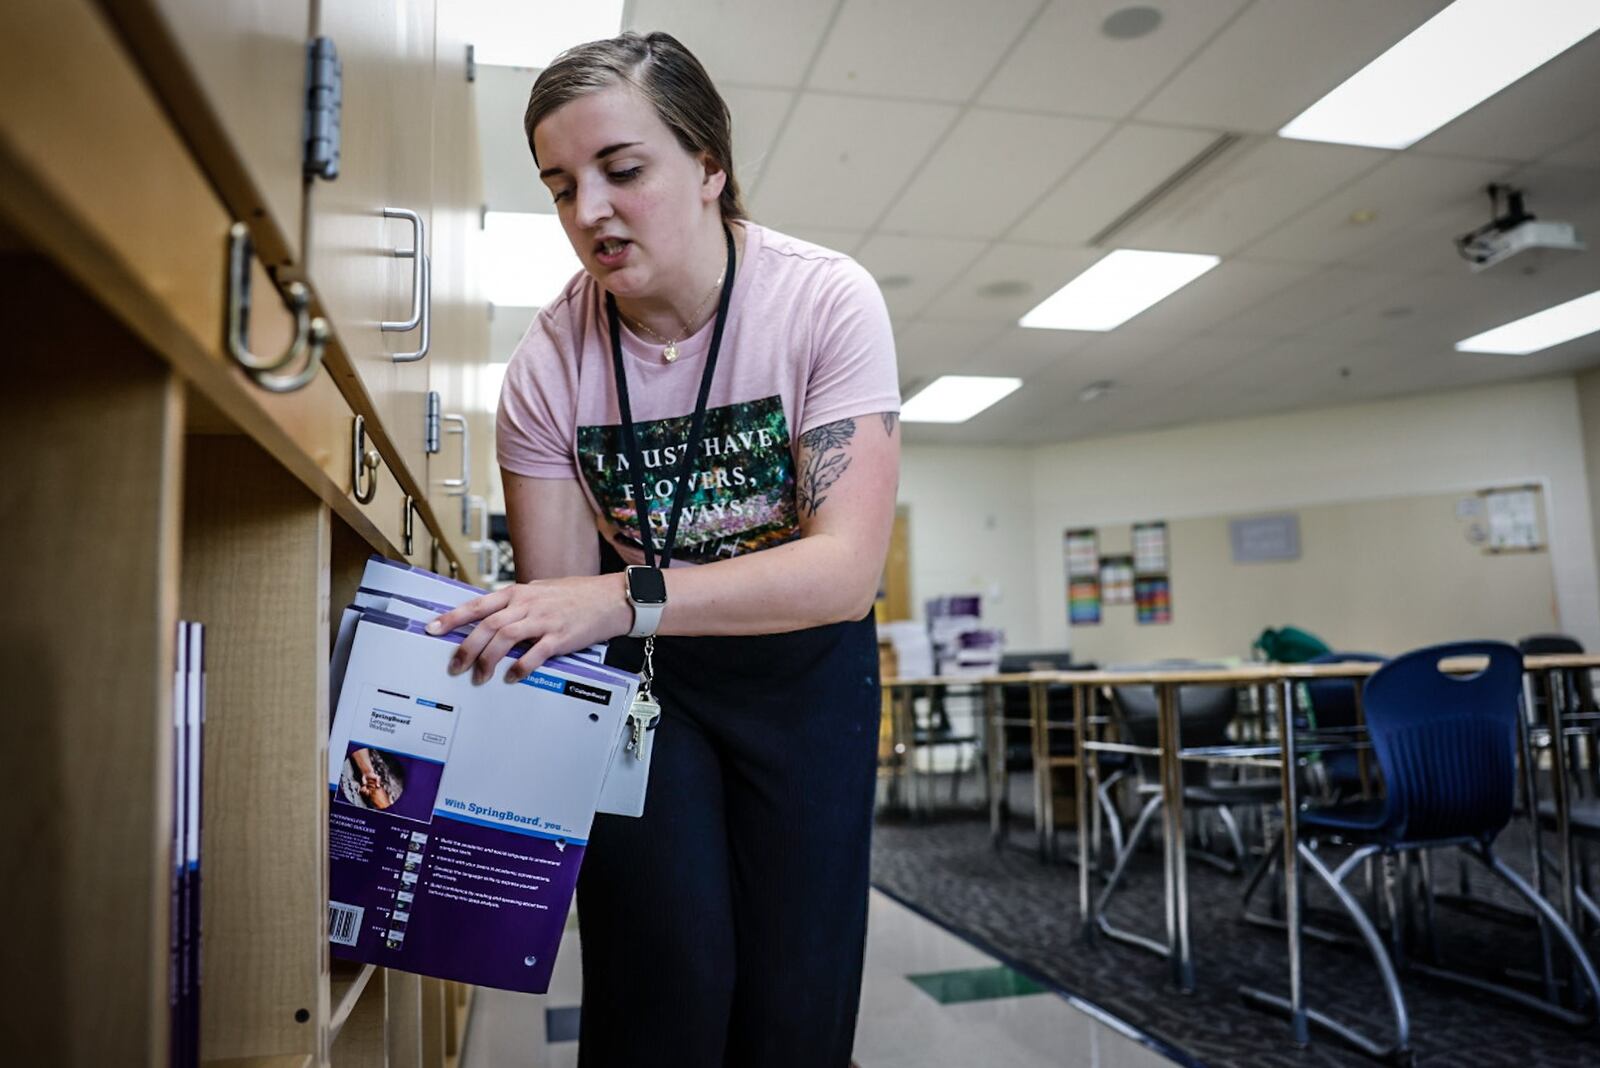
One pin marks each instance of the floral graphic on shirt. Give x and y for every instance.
(741, 488)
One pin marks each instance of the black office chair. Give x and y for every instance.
(1577, 697)
(1204, 713)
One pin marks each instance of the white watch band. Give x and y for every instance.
(646, 619)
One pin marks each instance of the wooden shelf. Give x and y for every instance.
(286, 1060)
(345, 988)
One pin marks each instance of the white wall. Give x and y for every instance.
(1441, 443)
(972, 530)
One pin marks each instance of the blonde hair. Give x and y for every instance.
(669, 77)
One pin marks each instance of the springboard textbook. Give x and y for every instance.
(459, 814)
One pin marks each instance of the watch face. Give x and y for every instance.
(646, 585)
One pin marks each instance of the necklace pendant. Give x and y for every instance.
(671, 352)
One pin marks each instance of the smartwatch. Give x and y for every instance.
(647, 592)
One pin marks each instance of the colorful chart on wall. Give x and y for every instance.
(1150, 548)
(1116, 579)
(1083, 601)
(1153, 599)
(1083, 554)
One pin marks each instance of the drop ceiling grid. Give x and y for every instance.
(1298, 277)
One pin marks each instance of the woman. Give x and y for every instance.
(757, 373)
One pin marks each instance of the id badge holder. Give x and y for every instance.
(628, 775)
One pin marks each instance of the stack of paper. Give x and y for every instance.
(459, 814)
(188, 719)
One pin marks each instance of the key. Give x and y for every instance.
(641, 715)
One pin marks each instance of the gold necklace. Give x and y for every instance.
(670, 353)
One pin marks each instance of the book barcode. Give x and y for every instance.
(344, 923)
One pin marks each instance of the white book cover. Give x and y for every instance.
(459, 814)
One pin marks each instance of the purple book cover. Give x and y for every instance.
(458, 814)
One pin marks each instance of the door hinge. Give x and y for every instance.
(472, 64)
(324, 100)
(430, 429)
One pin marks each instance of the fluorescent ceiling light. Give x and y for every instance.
(530, 33)
(1450, 64)
(1117, 288)
(1553, 326)
(956, 398)
(527, 258)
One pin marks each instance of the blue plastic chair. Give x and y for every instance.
(1333, 705)
(1446, 745)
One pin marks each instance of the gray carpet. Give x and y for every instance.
(1025, 910)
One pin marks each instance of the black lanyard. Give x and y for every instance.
(630, 437)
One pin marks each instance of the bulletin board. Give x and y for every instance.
(1376, 575)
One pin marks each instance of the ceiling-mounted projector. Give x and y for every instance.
(1513, 229)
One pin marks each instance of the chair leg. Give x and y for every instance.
(1140, 827)
(1108, 806)
(1582, 968)
(1229, 824)
(1400, 1049)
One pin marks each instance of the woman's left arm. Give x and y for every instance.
(846, 483)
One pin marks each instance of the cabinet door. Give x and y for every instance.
(233, 73)
(386, 49)
(460, 314)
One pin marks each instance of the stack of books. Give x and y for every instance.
(459, 813)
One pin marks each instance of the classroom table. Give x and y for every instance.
(1283, 757)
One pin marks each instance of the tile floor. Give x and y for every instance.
(928, 999)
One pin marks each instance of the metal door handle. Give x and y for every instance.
(418, 246)
(457, 424)
(310, 332)
(363, 463)
(427, 314)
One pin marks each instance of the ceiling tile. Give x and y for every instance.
(841, 160)
(1581, 152)
(928, 349)
(1027, 273)
(846, 241)
(751, 42)
(991, 167)
(1222, 292)
(931, 49)
(757, 116)
(1248, 193)
(1304, 304)
(1131, 162)
(1400, 192)
(1566, 194)
(1279, 57)
(1543, 111)
(913, 270)
(1029, 353)
(1066, 64)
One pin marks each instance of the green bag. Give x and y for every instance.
(1290, 645)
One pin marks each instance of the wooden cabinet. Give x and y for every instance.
(461, 326)
(163, 482)
(386, 51)
(235, 71)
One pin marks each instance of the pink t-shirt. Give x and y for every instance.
(807, 343)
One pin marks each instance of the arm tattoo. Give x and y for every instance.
(890, 420)
(825, 461)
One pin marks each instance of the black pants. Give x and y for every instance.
(727, 926)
